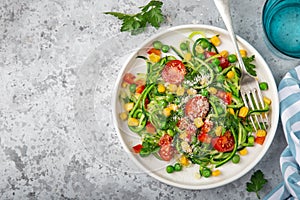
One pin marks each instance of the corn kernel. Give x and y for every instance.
(172, 87)
(230, 74)
(199, 49)
(215, 40)
(180, 91)
(261, 133)
(173, 107)
(167, 112)
(198, 122)
(224, 53)
(184, 161)
(231, 111)
(133, 121)
(188, 56)
(123, 116)
(124, 85)
(243, 111)
(191, 91)
(183, 135)
(161, 88)
(267, 100)
(154, 58)
(243, 152)
(128, 106)
(243, 52)
(212, 90)
(216, 173)
(218, 131)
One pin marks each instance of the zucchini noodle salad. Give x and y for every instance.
(187, 107)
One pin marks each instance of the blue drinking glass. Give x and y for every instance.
(281, 23)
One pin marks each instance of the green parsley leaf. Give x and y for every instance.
(136, 23)
(249, 66)
(257, 182)
(153, 14)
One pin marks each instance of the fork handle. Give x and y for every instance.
(224, 10)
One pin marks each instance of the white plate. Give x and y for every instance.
(186, 178)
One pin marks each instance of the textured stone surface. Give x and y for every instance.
(50, 99)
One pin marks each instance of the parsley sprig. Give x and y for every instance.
(136, 23)
(257, 182)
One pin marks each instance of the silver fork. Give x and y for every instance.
(250, 91)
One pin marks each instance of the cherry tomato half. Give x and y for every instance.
(223, 143)
(129, 78)
(174, 72)
(224, 63)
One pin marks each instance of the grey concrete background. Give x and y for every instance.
(57, 139)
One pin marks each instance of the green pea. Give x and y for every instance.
(157, 44)
(132, 87)
(204, 44)
(206, 172)
(216, 62)
(170, 132)
(219, 69)
(263, 86)
(170, 97)
(170, 169)
(201, 56)
(232, 58)
(204, 92)
(162, 103)
(251, 140)
(165, 48)
(177, 167)
(183, 46)
(236, 159)
(139, 115)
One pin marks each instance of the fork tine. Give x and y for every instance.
(259, 102)
(243, 94)
(250, 96)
